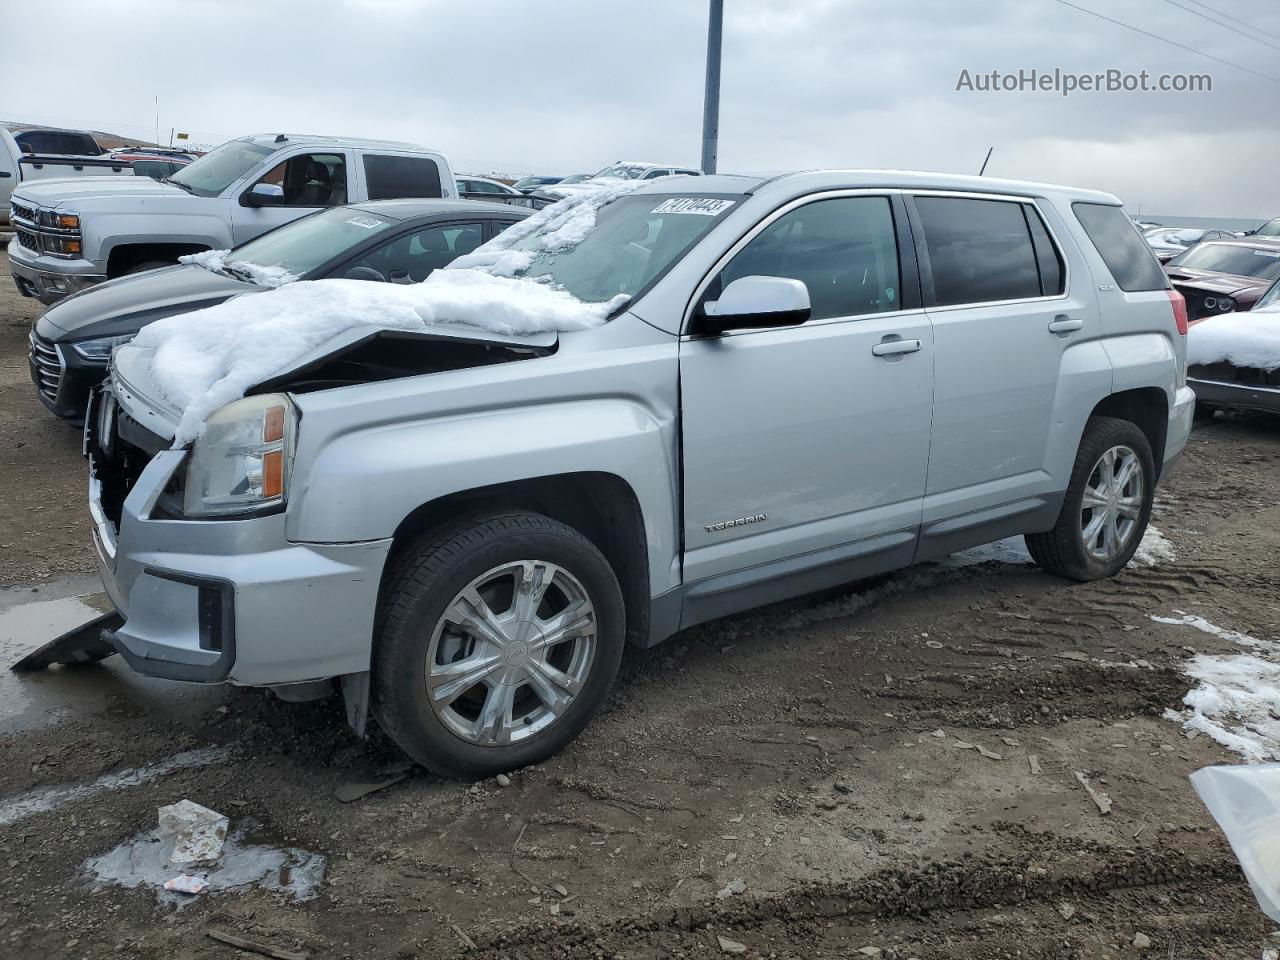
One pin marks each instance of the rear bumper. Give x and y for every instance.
(231, 600)
(1181, 413)
(1236, 395)
(49, 279)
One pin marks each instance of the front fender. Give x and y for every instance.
(106, 232)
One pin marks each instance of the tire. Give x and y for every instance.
(1073, 548)
(148, 265)
(455, 732)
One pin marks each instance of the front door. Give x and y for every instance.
(304, 183)
(806, 447)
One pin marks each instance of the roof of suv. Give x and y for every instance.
(407, 209)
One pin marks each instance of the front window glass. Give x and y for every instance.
(1237, 259)
(215, 171)
(305, 244)
(310, 180)
(413, 257)
(635, 238)
(843, 250)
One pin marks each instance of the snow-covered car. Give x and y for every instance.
(395, 241)
(1233, 359)
(72, 236)
(1224, 276)
(1168, 242)
(622, 170)
(640, 410)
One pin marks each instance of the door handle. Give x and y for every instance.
(1064, 324)
(890, 348)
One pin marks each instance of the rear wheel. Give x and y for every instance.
(500, 639)
(1107, 505)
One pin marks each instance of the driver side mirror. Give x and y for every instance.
(756, 303)
(263, 195)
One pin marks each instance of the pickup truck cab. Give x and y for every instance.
(810, 379)
(72, 236)
(21, 162)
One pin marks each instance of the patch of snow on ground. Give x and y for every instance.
(215, 261)
(1154, 549)
(203, 360)
(1237, 698)
(1241, 339)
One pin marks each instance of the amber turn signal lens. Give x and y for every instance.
(72, 246)
(68, 222)
(272, 474)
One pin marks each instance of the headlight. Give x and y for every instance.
(241, 463)
(1226, 304)
(99, 348)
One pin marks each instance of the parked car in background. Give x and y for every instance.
(1234, 359)
(77, 143)
(394, 241)
(622, 170)
(1269, 229)
(72, 236)
(18, 167)
(1224, 276)
(467, 526)
(1167, 242)
(486, 188)
(527, 185)
(156, 164)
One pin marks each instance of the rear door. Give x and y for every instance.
(805, 447)
(995, 288)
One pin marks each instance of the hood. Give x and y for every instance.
(51, 193)
(127, 304)
(1208, 281)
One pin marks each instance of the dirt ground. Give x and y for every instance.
(797, 780)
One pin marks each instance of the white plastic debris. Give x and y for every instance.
(1245, 800)
(197, 832)
(186, 884)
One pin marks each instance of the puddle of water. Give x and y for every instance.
(51, 798)
(144, 862)
(27, 701)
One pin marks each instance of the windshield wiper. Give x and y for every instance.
(176, 183)
(238, 273)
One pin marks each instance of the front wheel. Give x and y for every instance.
(1107, 505)
(499, 641)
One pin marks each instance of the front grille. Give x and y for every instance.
(120, 449)
(1228, 373)
(22, 211)
(46, 366)
(28, 238)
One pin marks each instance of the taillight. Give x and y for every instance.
(1179, 310)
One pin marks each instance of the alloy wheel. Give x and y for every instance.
(1112, 503)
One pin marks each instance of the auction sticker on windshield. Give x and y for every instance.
(368, 223)
(704, 206)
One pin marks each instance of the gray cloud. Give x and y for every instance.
(568, 85)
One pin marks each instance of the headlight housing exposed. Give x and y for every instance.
(241, 463)
(99, 348)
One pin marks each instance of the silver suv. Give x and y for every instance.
(817, 377)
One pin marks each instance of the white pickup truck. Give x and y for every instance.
(18, 166)
(72, 235)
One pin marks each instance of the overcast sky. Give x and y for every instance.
(565, 86)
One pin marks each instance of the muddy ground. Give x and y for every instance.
(810, 757)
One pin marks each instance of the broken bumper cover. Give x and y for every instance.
(232, 600)
(49, 279)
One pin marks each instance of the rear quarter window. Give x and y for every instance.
(393, 178)
(1132, 264)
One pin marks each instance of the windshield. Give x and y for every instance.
(1270, 299)
(621, 171)
(1236, 259)
(635, 239)
(305, 244)
(1269, 229)
(216, 171)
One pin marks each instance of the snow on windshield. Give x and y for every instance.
(203, 360)
(215, 261)
(1241, 339)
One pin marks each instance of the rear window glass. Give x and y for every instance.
(1126, 254)
(980, 251)
(392, 178)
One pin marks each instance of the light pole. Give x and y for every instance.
(711, 102)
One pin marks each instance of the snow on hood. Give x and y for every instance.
(1250, 339)
(203, 360)
(215, 261)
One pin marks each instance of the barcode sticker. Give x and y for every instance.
(703, 206)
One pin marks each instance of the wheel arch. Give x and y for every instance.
(601, 506)
(126, 256)
(1145, 407)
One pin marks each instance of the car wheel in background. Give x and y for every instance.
(499, 639)
(1107, 506)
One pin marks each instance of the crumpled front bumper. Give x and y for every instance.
(231, 600)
